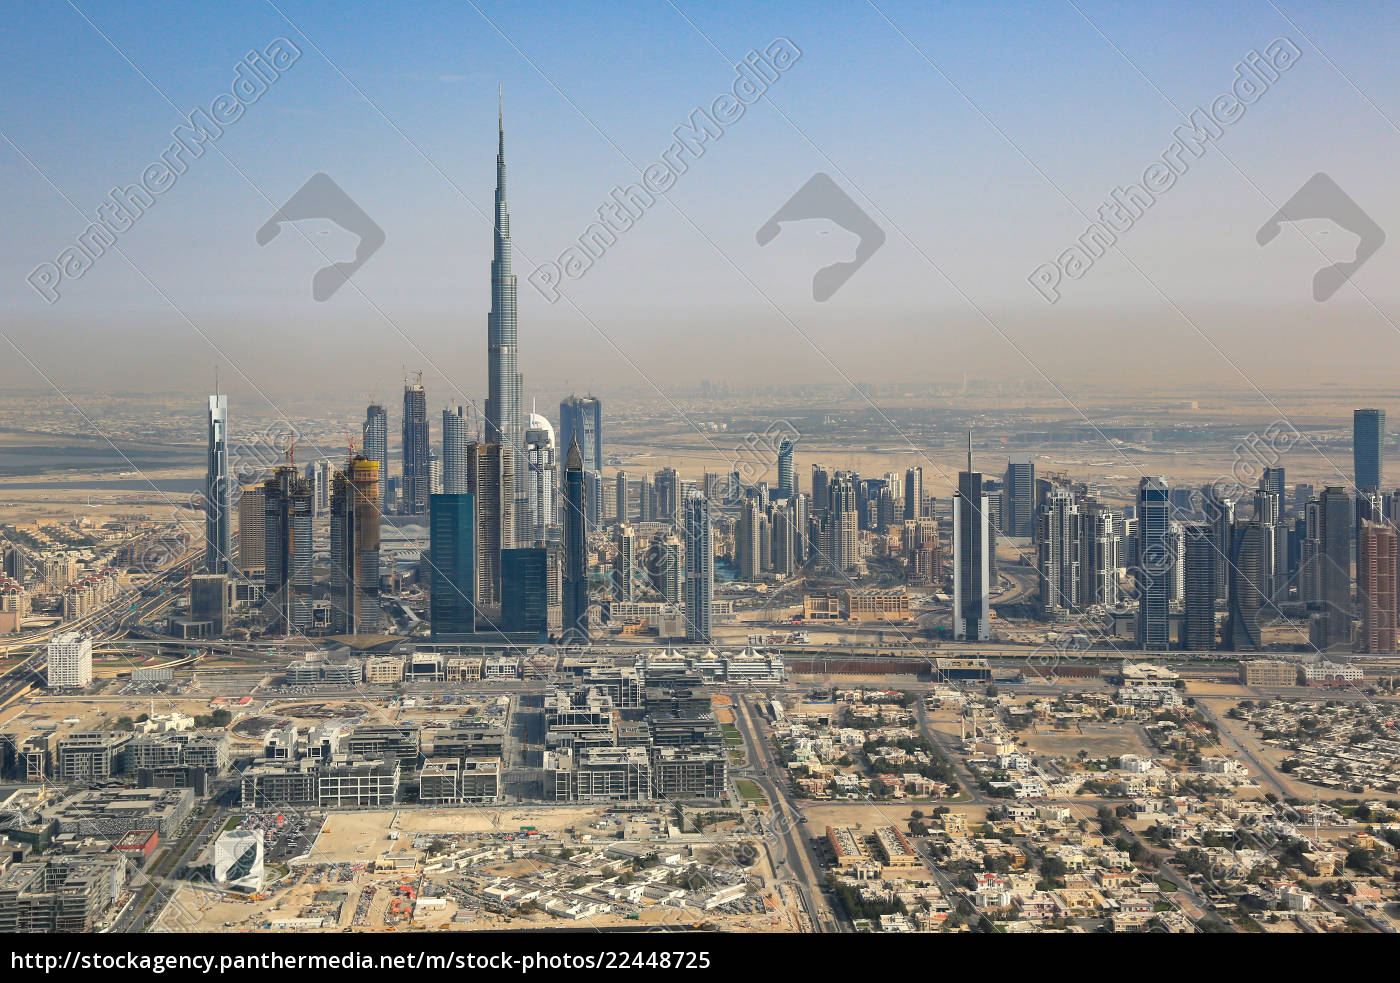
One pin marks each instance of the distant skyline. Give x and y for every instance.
(959, 130)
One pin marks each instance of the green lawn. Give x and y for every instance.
(751, 793)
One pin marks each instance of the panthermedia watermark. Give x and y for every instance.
(1254, 74)
(625, 207)
(123, 207)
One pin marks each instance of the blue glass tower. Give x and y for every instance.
(452, 551)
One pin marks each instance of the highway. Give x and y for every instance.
(785, 833)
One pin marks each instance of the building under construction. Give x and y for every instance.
(287, 552)
(355, 548)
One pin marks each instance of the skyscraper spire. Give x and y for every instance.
(504, 417)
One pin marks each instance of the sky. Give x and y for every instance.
(979, 138)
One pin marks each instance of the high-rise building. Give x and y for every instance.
(582, 416)
(1198, 621)
(1334, 567)
(376, 444)
(1059, 542)
(670, 569)
(491, 480)
(287, 552)
(417, 480)
(1018, 498)
(355, 548)
(747, 552)
(217, 504)
(787, 473)
(1154, 564)
(505, 416)
(575, 547)
(593, 499)
(1376, 560)
(620, 503)
(1273, 482)
(668, 495)
(456, 438)
(842, 540)
(453, 555)
(543, 478)
(1248, 573)
(318, 476)
(646, 500)
(252, 530)
(914, 493)
(821, 488)
(972, 612)
(1368, 437)
(70, 661)
(525, 604)
(624, 579)
(699, 569)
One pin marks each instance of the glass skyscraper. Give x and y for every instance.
(216, 490)
(452, 553)
(1367, 435)
(1154, 564)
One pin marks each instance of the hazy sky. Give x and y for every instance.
(981, 137)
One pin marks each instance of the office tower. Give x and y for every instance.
(375, 444)
(504, 410)
(646, 500)
(1334, 573)
(821, 488)
(217, 544)
(843, 539)
(355, 548)
(1310, 555)
(914, 493)
(453, 558)
(491, 480)
(1059, 542)
(625, 563)
(582, 416)
(1368, 437)
(1376, 580)
(593, 499)
(1176, 551)
(972, 610)
(668, 495)
(318, 476)
(287, 552)
(252, 530)
(69, 661)
(1198, 621)
(1303, 493)
(209, 601)
(575, 547)
(1018, 498)
(621, 513)
(525, 604)
(543, 477)
(434, 473)
(1154, 562)
(456, 438)
(787, 474)
(417, 481)
(699, 569)
(1247, 574)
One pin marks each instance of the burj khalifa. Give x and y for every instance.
(504, 416)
